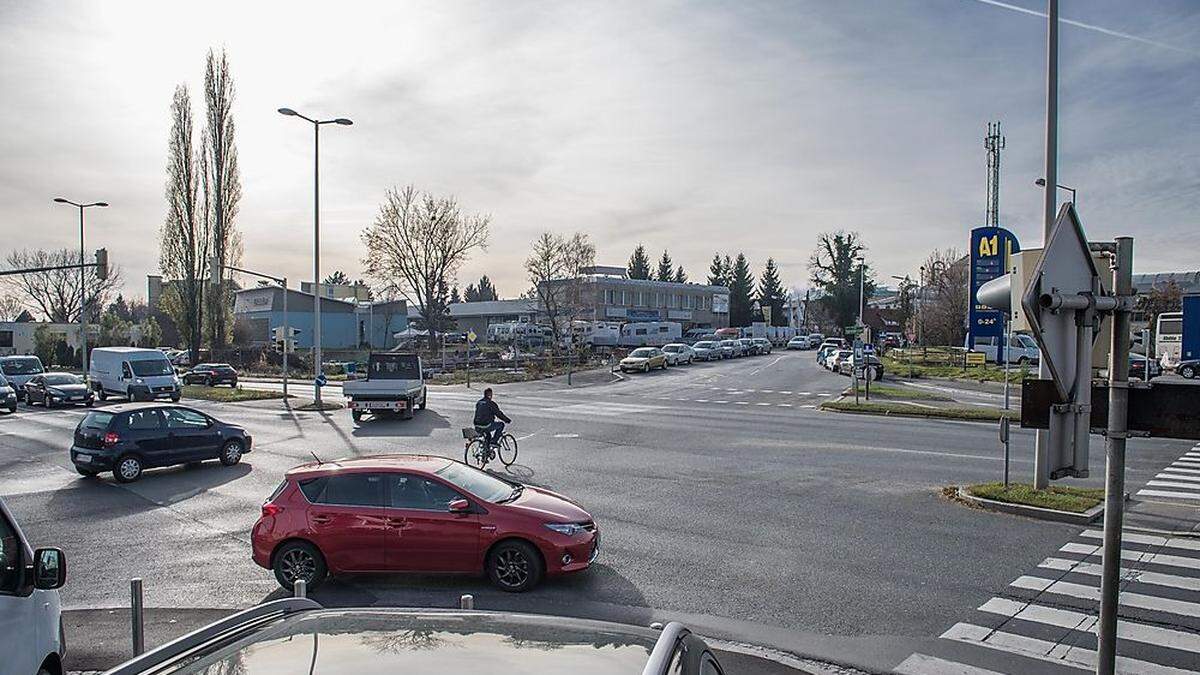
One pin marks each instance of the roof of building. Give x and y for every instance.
(1189, 282)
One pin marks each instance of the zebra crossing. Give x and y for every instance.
(1046, 620)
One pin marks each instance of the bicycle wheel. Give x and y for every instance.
(475, 454)
(508, 449)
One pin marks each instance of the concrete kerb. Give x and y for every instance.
(1085, 518)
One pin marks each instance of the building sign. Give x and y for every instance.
(614, 312)
(990, 249)
(642, 314)
(720, 303)
(681, 314)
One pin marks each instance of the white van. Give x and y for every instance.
(31, 631)
(1022, 349)
(135, 373)
(20, 369)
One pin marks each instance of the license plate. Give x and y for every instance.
(76, 398)
(384, 405)
(83, 458)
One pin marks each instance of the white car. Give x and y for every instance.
(133, 373)
(707, 350)
(798, 342)
(834, 362)
(20, 369)
(31, 630)
(679, 354)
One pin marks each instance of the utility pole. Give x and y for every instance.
(994, 143)
(1044, 439)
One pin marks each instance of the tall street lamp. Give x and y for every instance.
(316, 242)
(82, 282)
(1041, 182)
(861, 263)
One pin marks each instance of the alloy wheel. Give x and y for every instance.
(512, 568)
(129, 468)
(297, 564)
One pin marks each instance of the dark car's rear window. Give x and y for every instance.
(96, 419)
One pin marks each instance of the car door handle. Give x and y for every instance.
(321, 519)
(399, 523)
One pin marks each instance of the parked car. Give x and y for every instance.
(1189, 369)
(834, 361)
(826, 351)
(347, 517)
(707, 350)
(847, 365)
(8, 395)
(1137, 367)
(799, 342)
(749, 347)
(644, 359)
(128, 439)
(764, 345)
(212, 374)
(815, 340)
(679, 354)
(135, 373)
(32, 639)
(276, 636)
(20, 369)
(731, 348)
(51, 389)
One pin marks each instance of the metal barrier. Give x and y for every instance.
(137, 617)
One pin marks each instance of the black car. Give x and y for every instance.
(212, 374)
(1189, 369)
(8, 395)
(298, 635)
(51, 389)
(1137, 367)
(128, 439)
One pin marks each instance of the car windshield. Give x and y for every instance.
(672, 348)
(472, 480)
(151, 367)
(704, 345)
(27, 366)
(62, 378)
(642, 353)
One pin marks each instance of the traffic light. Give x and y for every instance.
(102, 264)
(284, 338)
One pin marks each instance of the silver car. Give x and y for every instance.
(707, 350)
(679, 354)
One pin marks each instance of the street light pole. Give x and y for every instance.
(1041, 182)
(316, 242)
(82, 283)
(1044, 441)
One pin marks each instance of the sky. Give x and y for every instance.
(696, 127)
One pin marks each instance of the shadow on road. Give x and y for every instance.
(423, 423)
(174, 484)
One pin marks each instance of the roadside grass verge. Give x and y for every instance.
(227, 394)
(1061, 498)
(986, 373)
(911, 410)
(898, 393)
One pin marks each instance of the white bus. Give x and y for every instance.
(1168, 339)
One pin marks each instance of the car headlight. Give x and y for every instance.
(139, 381)
(569, 529)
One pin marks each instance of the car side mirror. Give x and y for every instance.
(459, 506)
(49, 568)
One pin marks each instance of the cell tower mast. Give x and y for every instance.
(993, 143)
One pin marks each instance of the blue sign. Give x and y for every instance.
(320, 381)
(990, 250)
(643, 315)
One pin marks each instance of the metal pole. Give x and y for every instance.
(1146, 353)
(287, 335)
(1042, 444)
(468, 363)
(1007, 359)
(82, 302)
(316, 264)
(300, 588)
(136, 616)
(466, 601)
(1114, 472)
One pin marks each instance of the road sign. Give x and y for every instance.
(471, 335)
(320, 380)
(1066, 268)
(990, 251)
(976, 358)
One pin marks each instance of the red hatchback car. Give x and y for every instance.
(416, 513)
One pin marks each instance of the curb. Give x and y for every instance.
(1086, 518)
(913, 415)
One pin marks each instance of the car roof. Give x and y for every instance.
(411, 462)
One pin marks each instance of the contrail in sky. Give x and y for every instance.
(1088, 26)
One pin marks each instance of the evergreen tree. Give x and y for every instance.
(471, 294)
(716, 271)
(487, 290)
(741, 288)
(455, 298)
(681, 277)
(771, 293)
(639, 264)
(666, 270)
(835, 272)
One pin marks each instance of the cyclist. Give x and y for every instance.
(486, 414)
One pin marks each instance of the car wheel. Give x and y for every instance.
(128, 469)
(646, 367)
(514, 566)
(86, 473)
(175, 398)
(421, 405)
(231, 452)
(12, 408)
(1188, 371)
(356, 415)
(233, 384)
(296, 561)
(102, 394)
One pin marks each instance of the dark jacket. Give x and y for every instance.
(487, 411)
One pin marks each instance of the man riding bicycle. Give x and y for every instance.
(486, 414)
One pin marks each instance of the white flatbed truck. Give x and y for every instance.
(395, 384)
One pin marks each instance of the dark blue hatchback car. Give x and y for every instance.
(130, 438)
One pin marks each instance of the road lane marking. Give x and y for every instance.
(923, 664)
(762, 404)
(1127, 574)
(1139, 556)
(741, 403)
(783, 405)
(1175, 476)
(1167, 493)
(1044, 650)
(1091, 593)
(720, 401)
(1086, 622)
(1182, 469)
(1172, 484)
(1150, 540)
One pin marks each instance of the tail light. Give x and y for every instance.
(271, 509)
(111, 439)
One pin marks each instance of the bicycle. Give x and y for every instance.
(477, 451)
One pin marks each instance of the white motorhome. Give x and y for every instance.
(134, 373)
(650, 333)
(596, 333)
(31, 631)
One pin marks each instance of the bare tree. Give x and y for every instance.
(416, 246)
(222, 185)
(553, 268)
(10, 307)
(943, 309)
(185, 239)
(56, 294)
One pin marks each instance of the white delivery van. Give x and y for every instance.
(31, 631)
(135, 373)
(20, 369)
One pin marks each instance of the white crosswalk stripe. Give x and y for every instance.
(1044, 650)
(1150, 540)
(1139, 600)
(1138, 556)
(923, 664)
(1065, 618)
(1172, 494)
(1092, 569)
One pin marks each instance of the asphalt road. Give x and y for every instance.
(725, 499)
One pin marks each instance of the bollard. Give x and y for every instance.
(136, 617)
(300, 588)
(467, 601)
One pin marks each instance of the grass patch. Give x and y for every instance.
(900, 393)
(228, 394)
(910, 410)
(1061, 498)
(985, 373)
(309, 405)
